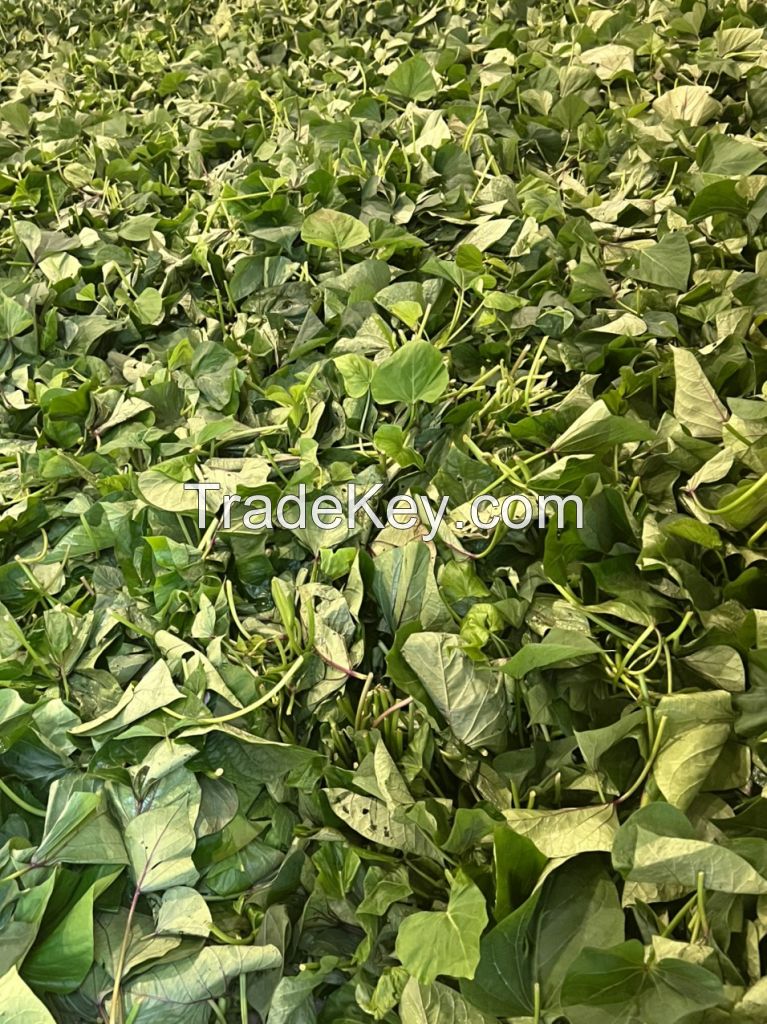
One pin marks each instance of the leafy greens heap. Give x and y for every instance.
(336, 777)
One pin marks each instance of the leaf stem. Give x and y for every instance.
(17, 874)
(700, 897)
(37, 811)
(115, 1010)
(405, 702)
(243, 999)
(680, 915)
(218, 1013)
(362, 701)
(735, 503)
(230, 940)
(220, 719)
(673, 638)
(646, 770)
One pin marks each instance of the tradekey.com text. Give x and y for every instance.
(403, 512)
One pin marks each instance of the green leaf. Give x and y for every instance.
(617, 986)
(19, 1004)
(162, 486)
(405, 589)
(518, 866)
(447, 253)
(332, 229)
(566, 832)
(559, 645)
(437, 1004)
(722, 666)
(609, 60)
(720, 154)
(22, 925)
(62, 959)
(178, 993)
(597, 430)
(183, 911)
(154, 690)
(379, 824)
(160, 842)
(357, 373)
(430, 943)
(293, 998)
(139, 228)
(414, 373)
(14, 319)
(469, 696)
(64, 821)
(665, 264)
(413, 79)
(577, 906)
(695, 402)
(692, 104)
(718, 197)
(698, 726)
(148, 306)
(668, 860)
(61, 266)
(391, 440)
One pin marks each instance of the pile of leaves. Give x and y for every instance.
(337, 777)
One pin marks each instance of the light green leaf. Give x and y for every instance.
(597, 429)
(162, 487)
(61, 266)
(566, 832)
(437, 1004)
(414, 373)
(695, 402)
(139, 228)
(332, 229)
(692, 104)
(357, 373)
(664, 860)
(470, 696)
(183, 911)
(665, 264)
(485, 235)
(377, 823)
(739, 40)
(720, 665)
(609, 60)
(178, 993)
(14, 319)
(391, 440)
(160, 845)
(412, 80)
(698, 726)
(154, 690)
(62, 958)
(430, 943)
(19, 1004)
(22, 924)
(148, 306)
(62, 822)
